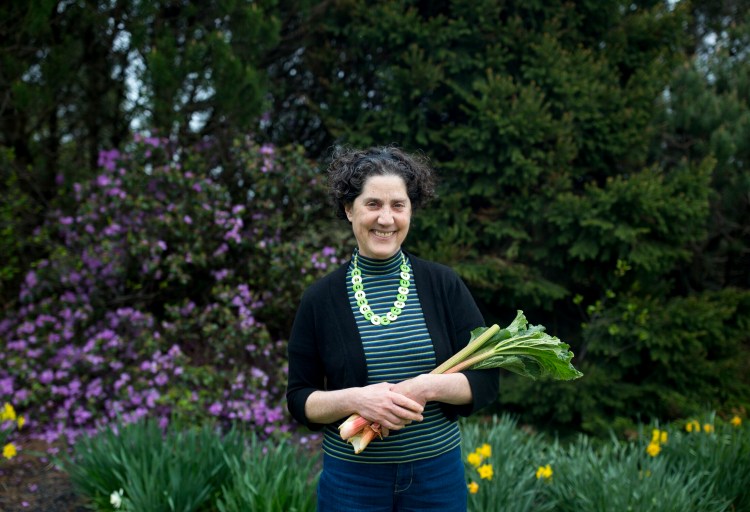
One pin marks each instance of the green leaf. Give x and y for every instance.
(530, 352)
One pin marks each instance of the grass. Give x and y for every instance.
(507, 468)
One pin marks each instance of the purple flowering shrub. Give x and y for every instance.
(168, 290)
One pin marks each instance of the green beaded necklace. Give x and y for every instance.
(398, 304)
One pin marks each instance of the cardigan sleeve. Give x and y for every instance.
(306, 370)
(466, 317)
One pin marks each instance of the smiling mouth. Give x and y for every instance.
(384, 234)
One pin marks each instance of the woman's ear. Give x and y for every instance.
(348, 211)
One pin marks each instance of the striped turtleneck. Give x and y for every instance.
(395, 352)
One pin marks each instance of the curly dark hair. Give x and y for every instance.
(351, 168)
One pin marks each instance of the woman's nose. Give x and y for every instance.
(386, 216)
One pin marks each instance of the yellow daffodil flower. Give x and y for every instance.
(473, 488)
(8, 413)
(544, 472)
(663, 437)
(21, 422)
(693, 426)
(9, 451)
(485, 472)
(485, 450)
(653, 449)
(474, 459)
(708, 428)
(655, 435)
(736, 421)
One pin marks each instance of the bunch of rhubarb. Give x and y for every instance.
(520, 348)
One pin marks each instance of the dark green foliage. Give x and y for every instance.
(19, 245)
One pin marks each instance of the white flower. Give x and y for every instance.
(116, 498)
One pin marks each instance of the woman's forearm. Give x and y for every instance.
(453, 388)
(376, 402)
(329, 406)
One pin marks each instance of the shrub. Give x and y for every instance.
(167, 290)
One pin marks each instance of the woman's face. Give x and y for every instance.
(380, 216)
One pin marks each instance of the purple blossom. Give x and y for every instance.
(112, 230)
(19, 346)
(94, 389)
(108, 159)
(124, 379)
(221, 250)
(152, 141)
(103, 180)
(266, 150)
(152, 396)
(6, 386)
(220, 275)
(31, 279)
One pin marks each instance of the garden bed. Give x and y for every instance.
(30, 481)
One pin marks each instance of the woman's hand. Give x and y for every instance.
(417, 388)
(451, 388)
(392, 410)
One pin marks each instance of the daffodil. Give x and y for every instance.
(116, 498)
(736, 421)
(485, 471)
(9, 451)
(663, 437)
(485, 450)
(21, 422)
(473, 488)
(653, 449)
(693, 426)
(544, 472)
(8, 413)
(474, 459)
(708, 428)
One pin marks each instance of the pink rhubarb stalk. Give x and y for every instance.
(361, 440)
(352, 426)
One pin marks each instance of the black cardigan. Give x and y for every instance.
(325, 349)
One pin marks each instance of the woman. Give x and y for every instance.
(366, 337)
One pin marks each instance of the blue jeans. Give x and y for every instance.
(435, 484)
